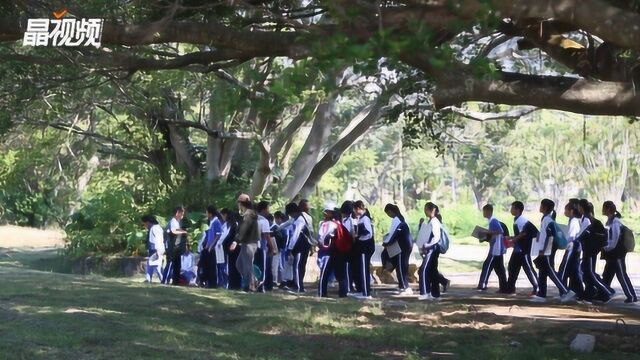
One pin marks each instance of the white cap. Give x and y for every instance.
(329, 206)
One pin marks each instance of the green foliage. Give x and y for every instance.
(29, 184)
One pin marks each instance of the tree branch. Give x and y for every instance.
(551, 92)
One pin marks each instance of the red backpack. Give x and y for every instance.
(343, 239)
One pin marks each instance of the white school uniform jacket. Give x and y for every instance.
(542, 243)
(156, 239)
(613, 234)
(219, 246)
(299, 225)
(348, 224)
(584, 224)
(520, 222)
(174, 224)
(263, 227)
(366, 222)
(394, 225)
(574, 229)
(434, 229)
(186, 262)
(497, 246)
(325, 228)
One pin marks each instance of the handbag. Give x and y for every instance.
(394, 250)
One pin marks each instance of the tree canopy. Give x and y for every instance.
(452, 43)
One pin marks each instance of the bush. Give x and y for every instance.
(107, 224)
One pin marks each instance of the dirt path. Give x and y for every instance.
(15, 237)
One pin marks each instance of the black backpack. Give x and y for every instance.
(505, 229)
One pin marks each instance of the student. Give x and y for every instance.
(299, 245)
(428, 272)
(247, 238)
(347, 219)
(231, 223)
(274, 255)
(282, 234)
(541, 251)
(592, 239)
(363, 248)
(495, 258)
(399, 234)
(446, 283)
(615, 253)
(175, 247)
(326, 233)
(156, 247)
(222, 256)
(209, 262)
(265, 248)
(524, 232)
(570, 266)
(187, 267)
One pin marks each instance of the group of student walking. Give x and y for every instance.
(256, 251)
(583, 240)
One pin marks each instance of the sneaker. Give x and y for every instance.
(533, 293)
(446, 286)
(538, 299)
(407, 291)
(352, 294)
(569, 296)
(481, 289)
(364, 298)
(425, 297)
(630, 301)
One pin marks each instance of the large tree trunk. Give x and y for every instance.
(263, 170)
(357, 127)
(214, 145)
(308, 156)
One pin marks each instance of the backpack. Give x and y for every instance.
(343, 239)
(505, 228)
(560, 239)
(444, 241)
(628, 239)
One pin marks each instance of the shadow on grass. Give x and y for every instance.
(50, 315)
(49, 259)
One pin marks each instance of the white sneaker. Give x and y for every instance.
(538, 299)
(362, 297)
(352, 295)
(407, 291)
(425, 297)
(568, 297)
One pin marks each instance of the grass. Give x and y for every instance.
(61, 316)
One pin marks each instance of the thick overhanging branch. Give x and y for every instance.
(550, 92)
(217, 134)
(490, 116)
